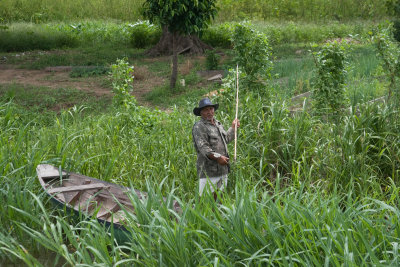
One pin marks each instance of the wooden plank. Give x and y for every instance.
(107, 212)
(76, 195)
(77, 188)
(46, 171)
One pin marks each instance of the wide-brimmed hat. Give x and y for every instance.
(205, 102)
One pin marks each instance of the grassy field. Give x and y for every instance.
(304, 191)
(39, 11)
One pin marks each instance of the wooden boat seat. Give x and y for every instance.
(106, 213)
(65, 189)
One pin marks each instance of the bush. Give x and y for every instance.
(212, 60)
(26, 38)
(144, 34)
(218, 36)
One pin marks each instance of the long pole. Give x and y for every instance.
(237, 106)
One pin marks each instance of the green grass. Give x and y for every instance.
(25, 37)
(291, 193)
(130, 10)
(304, 191)
(43, 99)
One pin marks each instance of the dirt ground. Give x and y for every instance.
(58, 77)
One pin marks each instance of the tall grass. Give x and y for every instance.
(38, 11)
(307, 10)
(303, 191)
(130, 10)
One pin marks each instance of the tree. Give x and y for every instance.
(181, 21)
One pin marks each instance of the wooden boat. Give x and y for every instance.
(106, 201)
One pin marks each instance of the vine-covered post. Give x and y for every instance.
(252, 54)
(122, 78)
(329, 90)
(389, 51)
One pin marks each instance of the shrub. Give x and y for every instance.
(26, 37)
(144, 34)
(219, 36)
(212, 60)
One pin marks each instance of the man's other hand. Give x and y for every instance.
(235, 122)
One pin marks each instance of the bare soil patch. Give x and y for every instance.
(58, 77)
(10, 74)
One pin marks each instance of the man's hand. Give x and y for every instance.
(235, 122)
(223, 160)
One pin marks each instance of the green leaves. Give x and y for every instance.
(329, 95)
(389, 51)
(183, 16)
(122, 77)
(252, 54)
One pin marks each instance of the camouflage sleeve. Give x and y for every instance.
(230, 135)
(200, 138)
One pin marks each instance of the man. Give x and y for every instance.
(210, 141)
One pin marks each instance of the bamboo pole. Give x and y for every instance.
(237, 107)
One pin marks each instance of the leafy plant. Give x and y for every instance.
(219, 35)
(329, 89)
(389, 51)
(122, 77)
(23, 37)
(212, 60)
(252, 54)
(144, 34)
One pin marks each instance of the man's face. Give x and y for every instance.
(207, 113)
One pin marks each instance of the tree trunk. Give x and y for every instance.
(184, 44)
(174, 73)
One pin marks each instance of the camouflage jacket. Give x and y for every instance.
(209, 138)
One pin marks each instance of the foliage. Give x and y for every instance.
(183, 16)
(394, 5)
(89, 32)
(122, 77)
(28, 37)
(43, 11)
(264, 10)
(310, 10)
(212, 60)
(293, 172)
(389, 51)
(88, 72)
(219, 35)
(329, 91)
(298, 182)
(252, 54)
(144, 34)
